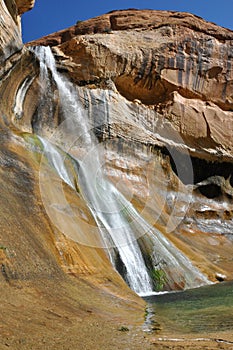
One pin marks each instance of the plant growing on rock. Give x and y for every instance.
(159, 278)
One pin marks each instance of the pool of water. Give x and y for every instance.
(206, 309)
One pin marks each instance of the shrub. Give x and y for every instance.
(159, 278)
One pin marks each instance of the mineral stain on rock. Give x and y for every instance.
(153, 83)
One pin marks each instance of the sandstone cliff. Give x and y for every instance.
(177, 65)
(148, 80)
(161, 79)
(156, 86)
(18, 68)
(10, 26)
(153, 82)
(50, 285)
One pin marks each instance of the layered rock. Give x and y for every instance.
(158, 79)
(50, 285)
(156, 87)
(152, 82)
(10, 26)
(10, 40)
(176, 64)
(19, 84)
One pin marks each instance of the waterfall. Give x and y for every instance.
(119, 223)
(101, 196)
(56, 160)
(21, 93)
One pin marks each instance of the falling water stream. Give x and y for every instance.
(120, 225)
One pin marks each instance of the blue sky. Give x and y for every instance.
(49, 16)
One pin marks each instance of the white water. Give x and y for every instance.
(56, 160)
(104, 201)
(21, 93)
(119, 223)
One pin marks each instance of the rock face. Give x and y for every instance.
(10, 26)
(156, 86)
(24, 5)
(36, 259)
(176, 64)
(10, 40)
(17, 69)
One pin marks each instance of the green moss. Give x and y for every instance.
(33, 140)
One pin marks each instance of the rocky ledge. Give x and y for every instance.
(176, 65)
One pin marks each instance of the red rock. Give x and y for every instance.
(174, 62)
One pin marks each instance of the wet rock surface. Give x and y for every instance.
(174, 63)
(156, 86)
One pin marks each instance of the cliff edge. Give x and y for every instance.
(174, 64)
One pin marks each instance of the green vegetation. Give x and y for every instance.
(33, 141)
(156, 271)
(159, 278)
